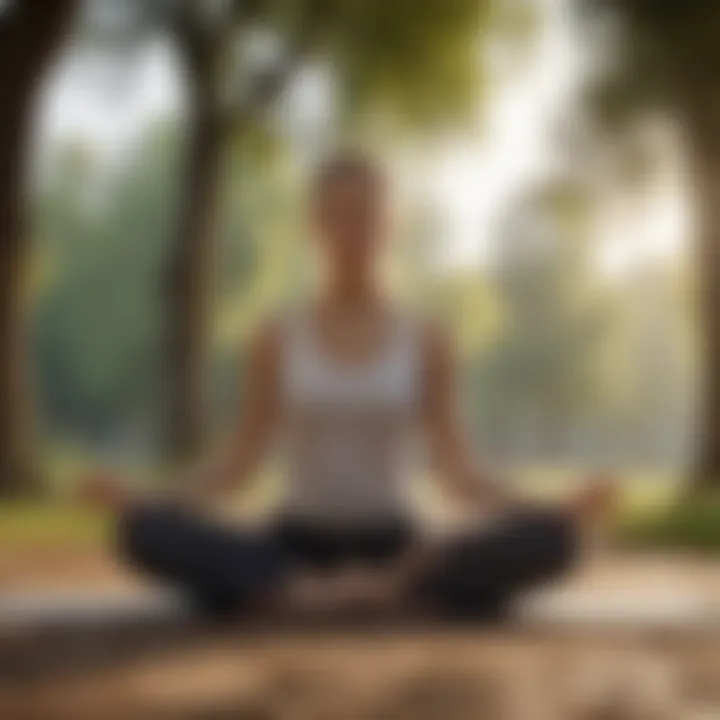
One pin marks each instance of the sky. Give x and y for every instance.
(472, 180)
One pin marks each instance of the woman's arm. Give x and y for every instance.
(238, 456)
(235, 459)
(459, 468)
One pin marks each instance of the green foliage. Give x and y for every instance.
(419, 63)
(101, 253)
(103, 238)
(420, 59)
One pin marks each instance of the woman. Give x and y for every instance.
(348, 383)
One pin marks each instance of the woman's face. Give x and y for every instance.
(350, 217)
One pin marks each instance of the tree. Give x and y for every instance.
(665, 60)
(417, 59)
(98, 314)
(30, 33)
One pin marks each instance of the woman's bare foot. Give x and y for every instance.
(108, 492)
(350, 590)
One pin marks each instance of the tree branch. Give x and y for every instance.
(266, 88)
(190, 31)
(29, 34)
(26, 25)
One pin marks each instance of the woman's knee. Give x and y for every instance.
(550, 538)
(525, 547)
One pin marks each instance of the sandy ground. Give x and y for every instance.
(497, 676)
(506, 673)
(46, 568)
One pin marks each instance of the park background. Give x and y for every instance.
(557, 175)
(552, 210)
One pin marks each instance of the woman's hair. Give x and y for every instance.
(347, 164)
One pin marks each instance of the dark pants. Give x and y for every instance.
(223, 570)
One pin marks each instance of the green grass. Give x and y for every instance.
(688, 524)
(25, 525)
(653, 512)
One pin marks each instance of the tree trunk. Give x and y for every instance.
(189, 284)
(189, 281)
(704, 137)
(30, 32)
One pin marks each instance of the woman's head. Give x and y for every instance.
(349, 212)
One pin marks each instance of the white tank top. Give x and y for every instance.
(348, 427)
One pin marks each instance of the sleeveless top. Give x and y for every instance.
(348, 427)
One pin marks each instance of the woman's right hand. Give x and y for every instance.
(106, 490)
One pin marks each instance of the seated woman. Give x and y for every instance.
(350, 383)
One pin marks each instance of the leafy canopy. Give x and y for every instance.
(418, 61)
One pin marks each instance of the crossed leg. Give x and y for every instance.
(475, 575)
(480, 573)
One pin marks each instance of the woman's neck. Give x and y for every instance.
(351, 297)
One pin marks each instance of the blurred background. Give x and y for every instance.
(557, 167)
(555, 207)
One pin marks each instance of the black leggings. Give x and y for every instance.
(476, 575)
